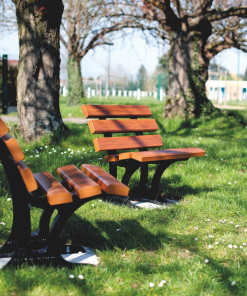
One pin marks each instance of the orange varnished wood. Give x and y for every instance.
(56, 194)
(3, 128)
(125, 143)
(158, 155)
(106, 181)
(115, 111)
(122, 126)
(110, 158)
(27, 177)
(82, 185)
(14, 148)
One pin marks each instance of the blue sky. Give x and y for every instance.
(127, 55)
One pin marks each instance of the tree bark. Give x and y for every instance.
(38, 80)
(75, 95)
(188, 73)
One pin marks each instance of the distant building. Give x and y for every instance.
(222, 90)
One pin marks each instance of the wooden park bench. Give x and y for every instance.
(133, 160)
(42, 190)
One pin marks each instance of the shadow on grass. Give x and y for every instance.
(134, 236)
(107, 236)
(185, 128)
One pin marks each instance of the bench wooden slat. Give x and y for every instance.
(122, 126)
(115, 111)
(3, 128)
(124, 143)
(158, 155)
(14, 148)
(110, 158)
(106, 181)
(82, 185)
(27, 177)
(56, 194)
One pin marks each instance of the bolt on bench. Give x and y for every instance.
(42, 190)
(133, 161)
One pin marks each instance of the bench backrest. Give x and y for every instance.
(131, 125)
(17, 156)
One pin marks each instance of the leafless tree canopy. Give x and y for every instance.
(228, 19)
(87, 24)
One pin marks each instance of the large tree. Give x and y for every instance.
(38, 81)
(88, 24)
(197, 30)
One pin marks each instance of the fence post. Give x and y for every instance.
(4, 83)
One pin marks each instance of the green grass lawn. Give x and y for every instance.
(170, 244)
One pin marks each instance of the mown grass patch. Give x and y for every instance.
(170, 244)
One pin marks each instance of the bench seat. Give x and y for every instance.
(77, 181)
(157, 155)
(55, 192)
(106, 181)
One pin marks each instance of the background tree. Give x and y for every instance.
(142, 77)
(38, 80)
(87, 24)
(163, 63)
(197, 30)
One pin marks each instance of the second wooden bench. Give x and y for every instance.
(133, 160)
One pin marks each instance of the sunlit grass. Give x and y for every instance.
(170, 244)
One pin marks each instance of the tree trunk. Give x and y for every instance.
(188, 73)
(38, 81)
(75, 95)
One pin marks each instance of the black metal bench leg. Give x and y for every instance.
(161, 167)
(129, 171)
(143, 184)
(113, 169)
(57, 226)
(41, 235)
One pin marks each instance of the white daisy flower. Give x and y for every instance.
(71, 276)
(151, 285)
(80, 276)
(161, 284)
(230, 246)
(235, 247)
(206, 260)
(233, 283)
